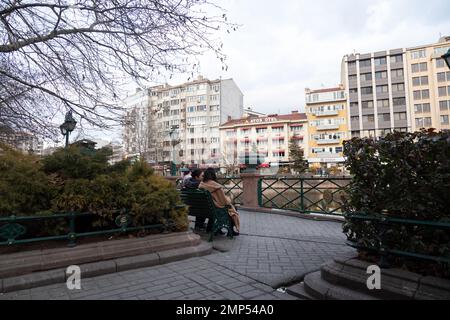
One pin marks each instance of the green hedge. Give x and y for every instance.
(79, 179)
(405, 175)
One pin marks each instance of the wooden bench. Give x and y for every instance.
(201, 205)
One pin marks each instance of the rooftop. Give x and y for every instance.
(255, 120)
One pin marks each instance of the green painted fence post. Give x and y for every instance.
(302, 202)
(260, 192)
(72, 235)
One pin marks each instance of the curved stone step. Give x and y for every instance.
(321, 289)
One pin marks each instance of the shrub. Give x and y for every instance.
(405, 175)
(24, 188)
(82, 180)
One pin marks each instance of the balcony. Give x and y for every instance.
(326, 113)
(328, 141)
(328, 127)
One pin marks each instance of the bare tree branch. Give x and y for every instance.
(80, 54)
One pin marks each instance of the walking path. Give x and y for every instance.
(272, 250)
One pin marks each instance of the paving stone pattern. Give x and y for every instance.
(272, 250)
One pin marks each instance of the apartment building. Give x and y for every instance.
(136, 130)
(182, 121)
(376, 89)
(429, 85)
(22, 141)
(268, 136)
(326, 110)
(401, 89)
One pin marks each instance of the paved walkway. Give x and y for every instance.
(272, 250)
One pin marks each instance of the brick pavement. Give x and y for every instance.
(272, 250)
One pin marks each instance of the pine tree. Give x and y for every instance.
(296, 157)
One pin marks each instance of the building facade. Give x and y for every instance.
(181, 123)
(402, 89)
(136, 130)
(376, 88)
(23, 141)
(429, 86)
(268, 136)
(326, 110)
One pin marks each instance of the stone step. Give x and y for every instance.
(321, 289)
(26, 262)
(89, 270)
(298, 290)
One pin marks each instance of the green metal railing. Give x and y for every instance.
(382, 227)
(305, 195)
(16, 229)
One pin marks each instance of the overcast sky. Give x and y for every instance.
(286, 46)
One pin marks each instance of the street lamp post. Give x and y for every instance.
(446, 58)
(173, 137)
(68, 126)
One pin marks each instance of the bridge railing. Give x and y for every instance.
(305, 195)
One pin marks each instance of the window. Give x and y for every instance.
(441, 77)
(366, 90)
(296, 128)
(261, 130)
(352, 77)
(427, 122)
(440, 63)
(215, 119)
(399, 102)
(214, 97)
(397, 87)
(213, 108)
(339, 149)
(354, 119)
(420, 81)
(278, 154)
(381, 75)
(231, 133)
(366, 76)
(369, 118)
(418, 54)
(352, 64)
(399, 116)
(419, 67)
(421, 94)
(419, 122)
(365, 63)
(397, 59)
(278, 130)
(380, 61)
(353, 90)
(419, 108)
(382, 89)
(353, 104)
(385, 117)
(384, 103)
(444, 105)
(397, 73)
(201, 108)
(444, 120)
(367, 104)
(442, 91)
(423, 66)
(355, 134)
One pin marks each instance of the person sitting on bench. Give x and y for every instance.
(219, 198)
(194, 181)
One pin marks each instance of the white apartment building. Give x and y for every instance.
(181, 123)
(268, 136)
(23, 141)
(136, 130)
